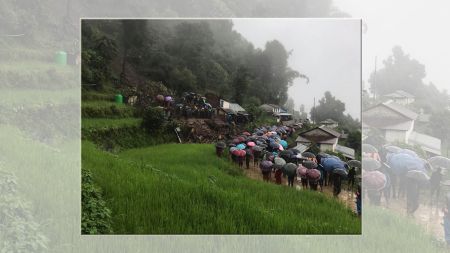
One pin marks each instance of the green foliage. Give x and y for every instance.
(20, 232)
(102, 109)
(185, 55)
(153, 119)
(314, 148)
(185, 188)
(95, 216)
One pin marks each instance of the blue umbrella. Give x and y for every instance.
(240, 146)
(331, 163)
(284, 143)
(409, 152)
(401, 163)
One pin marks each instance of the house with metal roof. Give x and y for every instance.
(395, 120)
(272, 109)
(400, 97)
(397, 125)
(329, 123)
(323, 136)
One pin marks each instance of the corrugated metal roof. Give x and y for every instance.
(400, 94)
(301, 148)
(330, 131)
(400, 109)
(346, 151)
(429, 143)
(236, 107)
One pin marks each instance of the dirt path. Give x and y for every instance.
(428, 216)
(346, 197)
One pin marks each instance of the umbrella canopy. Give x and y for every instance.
(168, 98)
(265, 166)
(246, 133)
(290, 169)
(257, 148)
(341, 172)
(313, 174)
(393, 149)
(354, 163)
(284, 143)
(231, 145)
(370, 164)
(251, 144)
(259, 132)
(308, 155)
(160, 98)
(374, 180)
(418, 175)
(309, 164)
(279, 162)
(301, 171)
(239, 152)
(241, 138)
(401, 163)
(233, 149)
(274, 145)
(367, 148)
(331, 163)
(409, 152)
(221, 144)
(240, 146)
(236, 141)
(439, 161)
(280, 147)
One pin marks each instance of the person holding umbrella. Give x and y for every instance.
(290, 170)
(435, 184)
(248, 157)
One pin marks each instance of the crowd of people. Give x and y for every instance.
(397, 173)
(268, 149)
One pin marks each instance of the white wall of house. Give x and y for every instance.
(403, 101)
(327, 147)
(224, 104)
(410, 130)
(395, 135)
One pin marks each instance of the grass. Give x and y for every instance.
(97, 123)
(38, 97)
(173, 189)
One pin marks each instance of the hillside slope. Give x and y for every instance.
(186, 189)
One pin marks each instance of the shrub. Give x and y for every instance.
(96, 217)
(153, 119)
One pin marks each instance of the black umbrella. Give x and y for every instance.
(367, 148)
(439, 161)
(354, 163)
(290, 169)
(370, 164)
(309, 164)
(221, 144)
(257, 148)
(341, 172)
(308, 155)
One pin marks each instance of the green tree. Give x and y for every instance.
(329, 108)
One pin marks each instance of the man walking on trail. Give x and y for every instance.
(351, 178)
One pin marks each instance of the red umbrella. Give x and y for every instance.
(374, 180)
(239, 152)
(301, 171)
(313, 174)
(236, 141)
(241, 139)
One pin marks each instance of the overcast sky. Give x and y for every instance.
(420, 27)
(328, 51)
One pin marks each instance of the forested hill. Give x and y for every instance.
(194, 55)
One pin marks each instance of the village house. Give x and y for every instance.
(397, 125)
(323, 136)
(272, 109)
(400, 97)
(329, 123)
